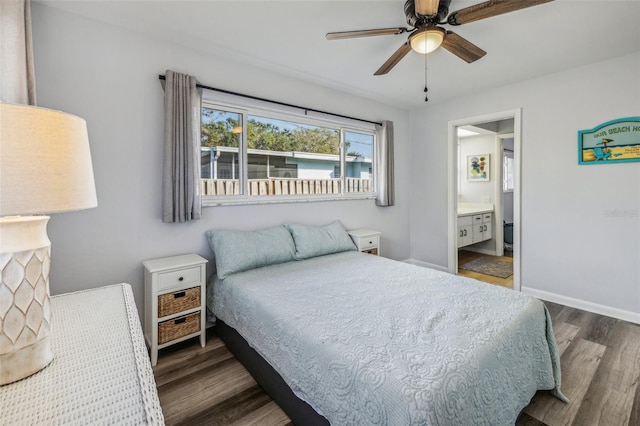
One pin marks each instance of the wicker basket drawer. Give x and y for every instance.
(178, 327)
(178, 301)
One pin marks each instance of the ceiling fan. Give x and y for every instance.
(426, 34)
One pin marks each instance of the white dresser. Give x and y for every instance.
(101, 372)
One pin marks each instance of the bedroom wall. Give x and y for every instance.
(580, 224)
(109, 76)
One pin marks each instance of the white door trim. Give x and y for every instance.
(452, 185)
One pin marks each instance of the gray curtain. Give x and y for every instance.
(17, 76)
(181, 178)
(384, 165)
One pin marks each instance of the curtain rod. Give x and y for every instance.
(228, 92)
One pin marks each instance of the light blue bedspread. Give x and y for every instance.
(370, 341)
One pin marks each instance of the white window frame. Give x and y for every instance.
(268, 111)
(506, 176)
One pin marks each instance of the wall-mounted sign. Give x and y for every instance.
(616, 141)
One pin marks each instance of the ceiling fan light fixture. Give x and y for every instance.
(427, 40)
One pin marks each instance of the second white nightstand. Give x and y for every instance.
(174, 303)
(366, 240)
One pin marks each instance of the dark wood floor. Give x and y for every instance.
(208, 386)
(600, 359)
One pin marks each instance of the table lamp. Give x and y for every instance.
(45, 167)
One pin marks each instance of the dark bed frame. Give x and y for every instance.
(298, 410)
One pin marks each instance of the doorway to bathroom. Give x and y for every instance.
(484, 198)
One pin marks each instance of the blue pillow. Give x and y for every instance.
(314, 241)
(238, 251)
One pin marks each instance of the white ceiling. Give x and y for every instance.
(289, 37)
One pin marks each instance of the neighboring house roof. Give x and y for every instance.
(293, 154)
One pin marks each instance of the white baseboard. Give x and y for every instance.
(426, 264)
(596, 308)
(584, 305)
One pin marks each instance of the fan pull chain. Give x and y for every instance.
(426, 99)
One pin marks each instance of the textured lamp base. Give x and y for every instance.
(25, 308)
(25, 362)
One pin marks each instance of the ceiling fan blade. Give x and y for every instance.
(394, 59)
(427, 7)
(365, 33)
(490, 8)
(462, 47)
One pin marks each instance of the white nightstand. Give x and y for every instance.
(174, 303)
(366, 240)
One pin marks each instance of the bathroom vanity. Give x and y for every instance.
(475, 223)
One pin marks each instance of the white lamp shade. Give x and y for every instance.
(427, 40)
(45, 161)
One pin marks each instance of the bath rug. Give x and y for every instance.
(488, 266)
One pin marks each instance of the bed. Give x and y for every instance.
(360, 339)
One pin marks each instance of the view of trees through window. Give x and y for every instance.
(278, 150)
(222, 128)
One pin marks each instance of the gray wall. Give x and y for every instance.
(575, 248)
(109, 77)
(574, 244)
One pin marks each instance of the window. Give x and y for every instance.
(507, 172)
(254, 155)
(358, 165)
